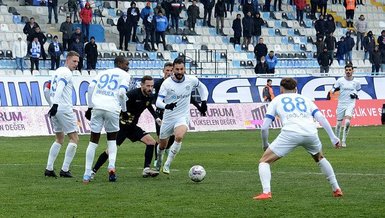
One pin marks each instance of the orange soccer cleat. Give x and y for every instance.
(263, 196)
(337, 193)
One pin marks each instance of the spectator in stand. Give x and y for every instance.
(349, 45)
(166, 5)
(266, 6)
(237, 29)
(220, 14)
(369, 43)
(123, 26)
(78, 47)
(381, 40)
(52, 6)
(192, 15)
(160, 8)
(248, 7)
(55, 50)
(146, 10)
(261, 66)
(313, 8)
(161, 27)
(66, 28)
(248, 28)
(258, 23)
(77, 35)
(323, 4)
(382, 60)
(260, 50)
(19, 51)
(29, 28)
(176, 9)
(34, 50)
(375, 60)
(86, 17)
(361, 27)
(341, 50)
(255, 7)
(42, 40)
(133, 19)
(350, 6)
(319, 26)
(73, 9)
(230, 6)
(208, 6)
(271, 61)
(91, 53)
(300, 7)
(320, 44)
(149, 26)
(330, 25)
(330, 44)
(279, 5)
(324, 61)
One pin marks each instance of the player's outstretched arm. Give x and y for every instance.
(326, 125)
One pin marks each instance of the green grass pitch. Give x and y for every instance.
(231, 161)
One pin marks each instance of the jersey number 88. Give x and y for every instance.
(289, 105)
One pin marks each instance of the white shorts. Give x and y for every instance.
(106, 119)
(287, 141)
(64, 122)
(344, 110)
(168, 126)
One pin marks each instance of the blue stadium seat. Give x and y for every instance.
(139, 47)
(152, 55)
(236, 63)
(238, 48)
(16, 19)
(174, 55)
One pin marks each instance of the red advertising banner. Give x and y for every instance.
(366, 112)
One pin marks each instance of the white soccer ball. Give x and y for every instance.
(197, 173)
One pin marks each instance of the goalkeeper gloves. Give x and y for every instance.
(170, 106)
(353, 96)
(52, 112)
(88, 113)
(203, 108)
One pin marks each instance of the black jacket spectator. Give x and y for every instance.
(319, 26)
(369, 42)
(349, 42)
(324, 59)
(77, 35)
(330, 25)
(123, 29)
(192, 15)
(29, 28)
(260, 50)
(248, 7)
(66, 29)
(78, 46)
(133, 16)
(91, 52)
(258, 23)
(248, 26)
(320, 44)
(237, 28)
(122, 24)
(261, 68)
(220, 9)
(375, 57)
(381, 40)
(330, 42)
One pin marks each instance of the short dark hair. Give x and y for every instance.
(179, 60)
(72, 53)
(167, 64)
(269, 80)
(119, 59)
(146, 77)
(288, 83)
(92, 38)
(349, 65)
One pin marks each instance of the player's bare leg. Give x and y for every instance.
(179, 133)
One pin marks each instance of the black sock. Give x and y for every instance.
(148, 155)
(101, 160)
(155, 151)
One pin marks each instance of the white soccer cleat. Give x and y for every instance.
(166, 169)
(147, 172)
(93, 174)
(343, 144)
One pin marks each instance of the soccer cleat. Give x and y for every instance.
(111, 175)
(166, 169)
(147, 172)
(93, 174)
(65, 174)
(337, 193)
(50, 173)
(86, 179)
(343, 144)
(263, 196)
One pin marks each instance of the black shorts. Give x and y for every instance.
(132, 132)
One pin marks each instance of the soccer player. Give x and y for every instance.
(106, 99)
(58, 93)
(174, 96)
(349, 87)
(139, 99)
(297, 113)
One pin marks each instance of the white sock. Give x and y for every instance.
(112, 152)
(52, 155)
(265, 176)
(160, 153)
(69, 156)
(338, 128)
(174, 149)
(346, 130)
(90, 154)
(327, 170)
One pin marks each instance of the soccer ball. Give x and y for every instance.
(197, 173)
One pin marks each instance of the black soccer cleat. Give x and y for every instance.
(50, 173)
(65, 174)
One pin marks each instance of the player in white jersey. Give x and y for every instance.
(349, 88)
(174, 96)
(58, 94)
(106, 99)
(296, 113)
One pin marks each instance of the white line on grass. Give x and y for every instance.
(223, 171)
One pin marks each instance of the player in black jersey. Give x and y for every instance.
(139, 99)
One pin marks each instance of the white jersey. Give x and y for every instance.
(107, 85)
(60, 92)
(295, 111)
(179, 92)
(347, 87)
